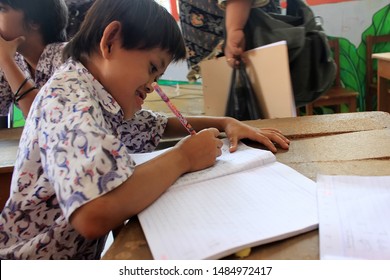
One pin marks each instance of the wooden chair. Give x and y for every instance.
(337, 94)
(371, 81)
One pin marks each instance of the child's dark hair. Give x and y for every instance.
(145, 25)
(50, 15)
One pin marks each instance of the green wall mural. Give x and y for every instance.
(353, 60)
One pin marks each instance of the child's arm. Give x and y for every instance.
(14, 75)
(146, 184)
(234, 129)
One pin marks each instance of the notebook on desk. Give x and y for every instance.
(268, 70)
(246, 199)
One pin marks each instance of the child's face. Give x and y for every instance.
(128, 76)
(11, 22)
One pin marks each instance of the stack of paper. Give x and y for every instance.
(354, 214)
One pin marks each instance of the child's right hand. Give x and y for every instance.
(202, 149)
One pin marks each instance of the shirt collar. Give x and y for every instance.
(103, 96)
(50, 59)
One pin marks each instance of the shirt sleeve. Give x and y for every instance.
(255, 3)
(143, 133)
(82, 158)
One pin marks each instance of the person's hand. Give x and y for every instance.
(235, 46)
(202, 149)
(8, 48)
(236, 130)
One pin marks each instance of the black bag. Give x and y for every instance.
(312, 67)
(242, 102)
(76, 13)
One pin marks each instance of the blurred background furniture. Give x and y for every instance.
(383, 77)
(9, 141)
(375, 44)
(337, 94)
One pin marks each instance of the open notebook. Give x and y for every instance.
(246, 199)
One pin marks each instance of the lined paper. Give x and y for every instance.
(244, 158)
(354, 215)
(217, 217)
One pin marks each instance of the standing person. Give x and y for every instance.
(74, 180)
(236, 15)
(31, 41)
(202, 27)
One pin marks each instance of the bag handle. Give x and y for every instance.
(252, 103)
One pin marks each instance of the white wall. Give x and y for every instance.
(349, 19)
(176, 72)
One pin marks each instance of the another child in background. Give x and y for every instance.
(74, 180)
(31, 41)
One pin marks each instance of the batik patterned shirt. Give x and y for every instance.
(202, 24)
(255, 3)
(74, 148)
(49, 61)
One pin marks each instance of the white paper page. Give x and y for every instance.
(354, 215)
(244, 158)
(215, 218)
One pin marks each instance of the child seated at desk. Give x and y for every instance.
(74, 180)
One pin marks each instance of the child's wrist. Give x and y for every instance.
(24, 88)
(7, 62)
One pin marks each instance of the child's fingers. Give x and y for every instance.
(269, 139)
(276, 135)
(214, 131)
(233, 141)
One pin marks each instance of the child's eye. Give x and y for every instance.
(2, 8)
(153, 69)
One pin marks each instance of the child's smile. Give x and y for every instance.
(141, 97)
(130, 74)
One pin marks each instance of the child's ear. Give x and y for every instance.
(112, 37)
(33, 26)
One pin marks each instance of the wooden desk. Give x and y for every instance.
(9, 141)
(383, 81)
(354, 143)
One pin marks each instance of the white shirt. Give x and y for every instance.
(74, 148)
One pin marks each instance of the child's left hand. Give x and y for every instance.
(236, 130)
(8, 48)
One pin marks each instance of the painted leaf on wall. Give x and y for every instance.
(380, 23)
(353, 60)
(351, 72)
(380, 26)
